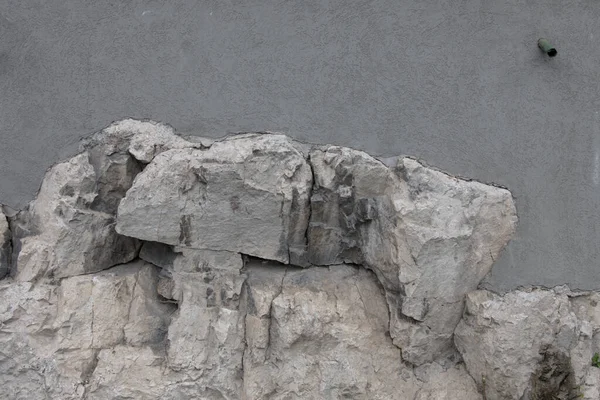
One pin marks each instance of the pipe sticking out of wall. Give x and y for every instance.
(547, 48)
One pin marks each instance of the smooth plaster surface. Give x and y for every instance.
(460, 84)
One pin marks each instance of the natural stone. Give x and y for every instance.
(429, 237)
(26, 313)
(156, 267)
(152, 140)
(206, 337)
(51, 335)
(143, 139)
(124, 372)
(248, 194)
(445, 382)
(119, 305)
(320, 333)
(159, 254)
(531, 344)
(62, 234)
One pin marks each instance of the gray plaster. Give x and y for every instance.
(460, 84)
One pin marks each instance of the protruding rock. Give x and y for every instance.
(446, 383)
(248, 194)
(143, 139)
(201, 318)
(61, 234)
(114, 167)
(430, 238)
(151, 139)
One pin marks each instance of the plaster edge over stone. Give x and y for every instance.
(407, 223)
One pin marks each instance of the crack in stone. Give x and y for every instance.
(310, 204)
(87, 374)
(92, 314)
(268, 347)
(11, 238)
(135, 283)
(360, 295)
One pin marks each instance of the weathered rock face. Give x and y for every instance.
(249, 195)
(430, 238)
(327, 325)
(119, 305)
(533, 344)
(62, 234)
(206, 338)
(253, 267)
(52, 335)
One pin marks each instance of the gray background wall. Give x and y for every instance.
(460, 84)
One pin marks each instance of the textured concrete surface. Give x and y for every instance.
(459, 84)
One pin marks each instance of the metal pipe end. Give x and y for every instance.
(547, 48)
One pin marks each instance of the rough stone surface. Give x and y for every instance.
(445, 382)
(248, 194)
(320, 333)
(51, 335)
(5, 246)
(206, 337)
(255, 268)
(26, 316)
(143, 139)
(63, 233)
(115, 306)
(431, 238)
(159, 254)
(532, 344)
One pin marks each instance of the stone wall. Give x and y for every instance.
(255, 267)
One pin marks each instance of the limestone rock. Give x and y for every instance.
(320, 333)
(206, 337)
(76, 206)
(119, 305)
(125, 372)
(5, 246)
(143, 139)
(114, 168)
(150, 139)
(445, 383)
(26, 314)
(159, 254)
(520, 344)
(248, 194)
(51, 335)
(587, 376)
(429, 237)
(91, 312)
(61, 234)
